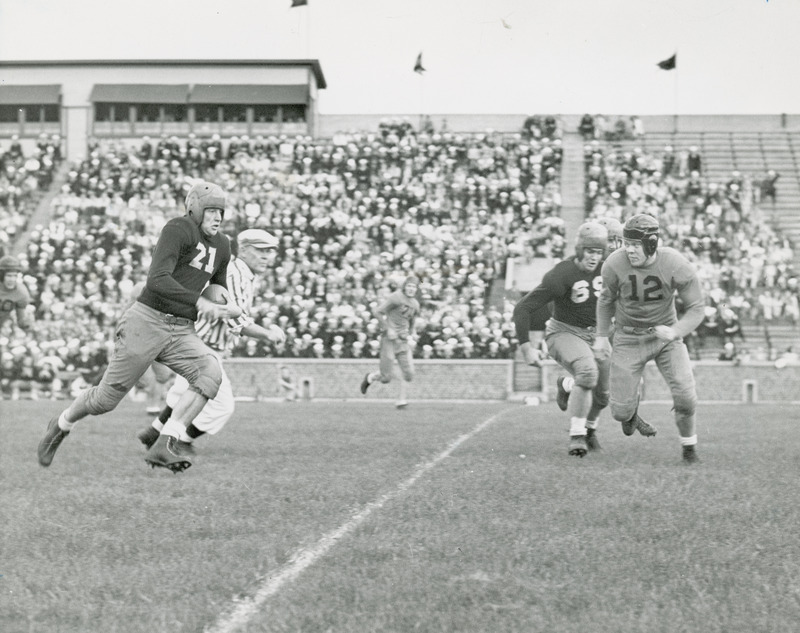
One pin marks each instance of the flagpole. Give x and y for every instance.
(420, 70)
(421, 100)
(676, 94)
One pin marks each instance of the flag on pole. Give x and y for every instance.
(669, 63)
(298, 3)
(418, 68)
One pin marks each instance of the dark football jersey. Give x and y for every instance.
(184, 261)
(573, 293)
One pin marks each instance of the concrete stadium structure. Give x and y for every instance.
(135, 98)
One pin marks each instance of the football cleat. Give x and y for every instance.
(636, 423)
(49, 444)
(690, 455)
(577, 445)
(166, 453)
(402, 404)
(562, 396)
(148, 436)
(365, 384)
(646, 429)
(592, 443)
(187, 448)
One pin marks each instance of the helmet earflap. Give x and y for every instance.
(650, 244)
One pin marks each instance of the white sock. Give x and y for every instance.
(689, 441)
(568, 383)
(157, 425)
(577, 426)
(174, 429)
(63, 424)
(591, 424)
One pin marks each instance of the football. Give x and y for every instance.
(216, 293)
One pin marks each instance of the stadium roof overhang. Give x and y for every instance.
(312, 64)
(23, 95)
(253, 94)
(139, 93)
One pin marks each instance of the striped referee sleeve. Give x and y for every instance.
(216, 334)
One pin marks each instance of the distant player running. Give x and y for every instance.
(14, 296)
(159, 326)
(640, 282)
(397, 315)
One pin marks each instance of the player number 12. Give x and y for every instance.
(651, 288)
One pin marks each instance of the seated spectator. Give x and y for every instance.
(729, 326)
(729, 353)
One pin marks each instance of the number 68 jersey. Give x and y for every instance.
(644, 296)
(573, 292)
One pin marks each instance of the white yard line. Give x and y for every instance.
(242, 610)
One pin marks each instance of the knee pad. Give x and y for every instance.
(207, 378)
(685, 402)
(585, 373)
(408, 375)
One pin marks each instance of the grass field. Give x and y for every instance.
(355, 517)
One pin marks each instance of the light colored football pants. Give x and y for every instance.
(217, 411)
(395, 350)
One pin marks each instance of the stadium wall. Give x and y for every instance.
(496, 380)
(340, 379)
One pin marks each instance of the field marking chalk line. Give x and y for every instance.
(246, 608)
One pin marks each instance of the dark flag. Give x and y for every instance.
(669, 63)
(418, 68)
(298, 3)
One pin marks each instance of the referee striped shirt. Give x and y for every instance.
(241, 286)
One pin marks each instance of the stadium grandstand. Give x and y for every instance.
(477, 207)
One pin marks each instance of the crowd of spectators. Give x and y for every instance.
(353, 215)
(22, 181)
(357, 213)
